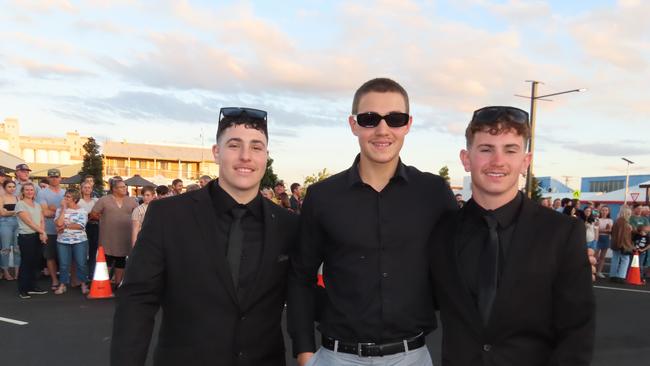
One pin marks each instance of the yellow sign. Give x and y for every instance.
(576, 194)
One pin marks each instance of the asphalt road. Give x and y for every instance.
(70, 330)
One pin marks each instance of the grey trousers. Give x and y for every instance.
(417, 357)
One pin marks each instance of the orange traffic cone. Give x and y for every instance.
(319, 277)
(634, 273)
(100, 288)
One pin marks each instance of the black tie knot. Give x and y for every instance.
(238, 212)
(491, 222)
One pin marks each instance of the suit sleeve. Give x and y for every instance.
(139, 296)
(301, 305)
(574, 305)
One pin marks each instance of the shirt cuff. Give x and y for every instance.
(304, 343)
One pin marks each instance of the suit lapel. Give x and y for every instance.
(206, 219)
(269, 253)
(458, 282)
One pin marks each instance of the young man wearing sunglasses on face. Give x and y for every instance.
(511, 278)
(369, 226)
(215, 260)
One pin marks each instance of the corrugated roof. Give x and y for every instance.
(160, 152)
(40, 169)
(9, 161)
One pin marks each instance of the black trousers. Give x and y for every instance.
(92, 231)
(31, 253)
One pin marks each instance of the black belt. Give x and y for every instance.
(373, 349)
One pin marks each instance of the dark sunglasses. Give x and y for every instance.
(238, 112)
(491, 114)
(372, 119)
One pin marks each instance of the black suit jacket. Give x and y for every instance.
(544, 311)
(178, 265)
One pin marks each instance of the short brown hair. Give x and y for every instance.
(499, 126)
(149, 189)
(379, 85)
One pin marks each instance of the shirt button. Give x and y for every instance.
(240, 354)
(487, 347)
(243, 317)
(362, 257)
(385, 275)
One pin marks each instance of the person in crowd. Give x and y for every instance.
(162, 191)
(204, 180)
(641, 242)
(50, 200)
(31, 238)
(563, 204)
(285, 202)
(591, 226)
(557, 204)
(596, 209)
(192, 187)
(570, 210)
(72, 241)
(22, 177)
(43, 183)
(621, 245)
(9, 231)
(605, 224)
(148, 195)
(87, 202)
(512, 279)
(215, 260)
(3, 177)
(295, 200)
(177, 187)
(267, 193)
(369, 226)
(115, 226)
(545, 202)
(278, 189)
(637, 219)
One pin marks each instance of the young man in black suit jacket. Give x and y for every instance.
(512, 279)
(215, 260)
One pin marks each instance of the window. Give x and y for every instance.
(606, 186)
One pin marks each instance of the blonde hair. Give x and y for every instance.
(625, 212)
(22, 190)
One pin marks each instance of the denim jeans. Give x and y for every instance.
(66, 253)
(620, 264)
(9, 241)
(643, 263)
(92, 231)
(326, 357)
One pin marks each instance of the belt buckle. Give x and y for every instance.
(359, 348)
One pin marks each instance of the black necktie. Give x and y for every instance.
(488, 270)
(235, 243)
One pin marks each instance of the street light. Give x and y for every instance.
(627, 179)
(531, 146)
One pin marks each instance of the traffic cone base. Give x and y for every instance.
(634, 273)
(100, 288)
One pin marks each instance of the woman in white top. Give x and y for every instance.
(71, 241)
(137, 216)
(87, 202)
(591, 228)
(605, 224)
(31, 237)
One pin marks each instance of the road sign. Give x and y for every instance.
(634, 196)
(576, 194)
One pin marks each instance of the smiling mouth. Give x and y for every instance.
(497, 175)
(243, 170)
(381, 144)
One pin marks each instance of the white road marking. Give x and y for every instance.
(622, 289)
(12, 321)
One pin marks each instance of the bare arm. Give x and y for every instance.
(3, 211)
(135, 231)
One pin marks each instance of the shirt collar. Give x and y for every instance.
(354, 177)
(223, 202)
(506, 215)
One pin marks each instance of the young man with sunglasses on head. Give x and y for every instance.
(215, 260)
(512, 279)
(369, 226)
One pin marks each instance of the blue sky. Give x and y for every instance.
(158, 71)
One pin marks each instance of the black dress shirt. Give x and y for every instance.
(253, 226)
(373, 246)
(474, 233)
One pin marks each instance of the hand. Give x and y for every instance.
(304, 357)
(592, 261)
(43, 237)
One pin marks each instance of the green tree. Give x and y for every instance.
(314, 178)
(270, 178)
(536, 190)
(444, 173)
(93, 164)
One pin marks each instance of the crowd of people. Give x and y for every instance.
(46, 229)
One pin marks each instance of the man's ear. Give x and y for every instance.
(215, 152)
(353, 125)
(464, 159)
(527, 158)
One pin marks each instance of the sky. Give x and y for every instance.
(159, 71)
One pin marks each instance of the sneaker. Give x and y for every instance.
(36, 291)
(24, 295)
(600, 275)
